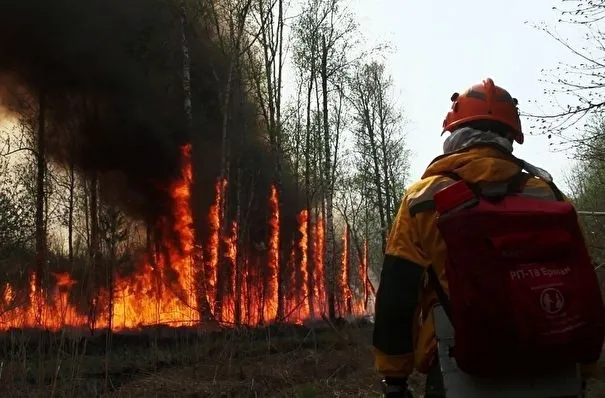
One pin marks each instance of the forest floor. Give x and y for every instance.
(288, 361)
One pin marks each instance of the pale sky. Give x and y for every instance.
(443, 46)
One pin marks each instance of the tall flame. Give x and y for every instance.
(303, 275)
(345, 292)
(271, 299)
(228, 308)
(319, 285)
(361, 302)
(211, 271)
(165, 288)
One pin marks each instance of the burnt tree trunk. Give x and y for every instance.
(328, 184)
(204, 309)
(70, 214)
(93, 250)
(40, 228)
(40, 194)
(235, 37)
(307, 154)
(282, 259)
(239, 248)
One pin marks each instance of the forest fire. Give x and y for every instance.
(170, 285)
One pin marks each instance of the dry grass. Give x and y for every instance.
(301, 363)
(596, 387)
(293, 363)
(324, 365)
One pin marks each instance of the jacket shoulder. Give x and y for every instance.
(538, 188)
(419, 195)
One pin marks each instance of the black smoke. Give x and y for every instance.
(109, 75)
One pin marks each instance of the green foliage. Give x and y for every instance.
(587, 184)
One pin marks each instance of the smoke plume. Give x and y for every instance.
(109, 76)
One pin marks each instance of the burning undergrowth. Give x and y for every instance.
(105, 76)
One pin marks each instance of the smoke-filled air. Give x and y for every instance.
(204, 198)
(152, 136)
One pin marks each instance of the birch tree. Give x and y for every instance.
(325, 37)
(381, 154)
(230, 20)
(266, 53)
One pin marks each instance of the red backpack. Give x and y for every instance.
(523, 294)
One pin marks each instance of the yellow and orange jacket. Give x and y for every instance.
(403, 331)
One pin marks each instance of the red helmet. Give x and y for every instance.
(484, 101)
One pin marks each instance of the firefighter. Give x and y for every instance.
(483, 124)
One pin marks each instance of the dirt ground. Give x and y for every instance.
(302, 363)
(342, 366)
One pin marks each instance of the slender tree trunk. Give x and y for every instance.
(186, 66)
(40, 227)
(328, 185)
(367, 250)
(224, 175)
(94, 250)
(40, 184)
(111, 246)
(152, 253)
(377, 180)
(159, 262)
(308, 150)
(384, 150)
(239, 255)
(205, 311)
(381, 206)
(298, 137)
(346, 271)
(70, 215)
(237, 20)
(366, 261)
(308, 172)
(271, 39)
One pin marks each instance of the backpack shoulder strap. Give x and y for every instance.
(558, 194)
(444, 300)
(489, 190)
(517, 183)
(495, 190)
(553, 187)
(547, 179)
(511, 186)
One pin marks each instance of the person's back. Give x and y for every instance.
(483, 122)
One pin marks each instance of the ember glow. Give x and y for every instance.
(170, 283)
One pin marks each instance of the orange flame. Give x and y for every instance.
(361, 302)
(228, 307)
(345, 291)
(165, 290)
(213, 246)
(271, 299)
(319, 286)
(303, 283)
